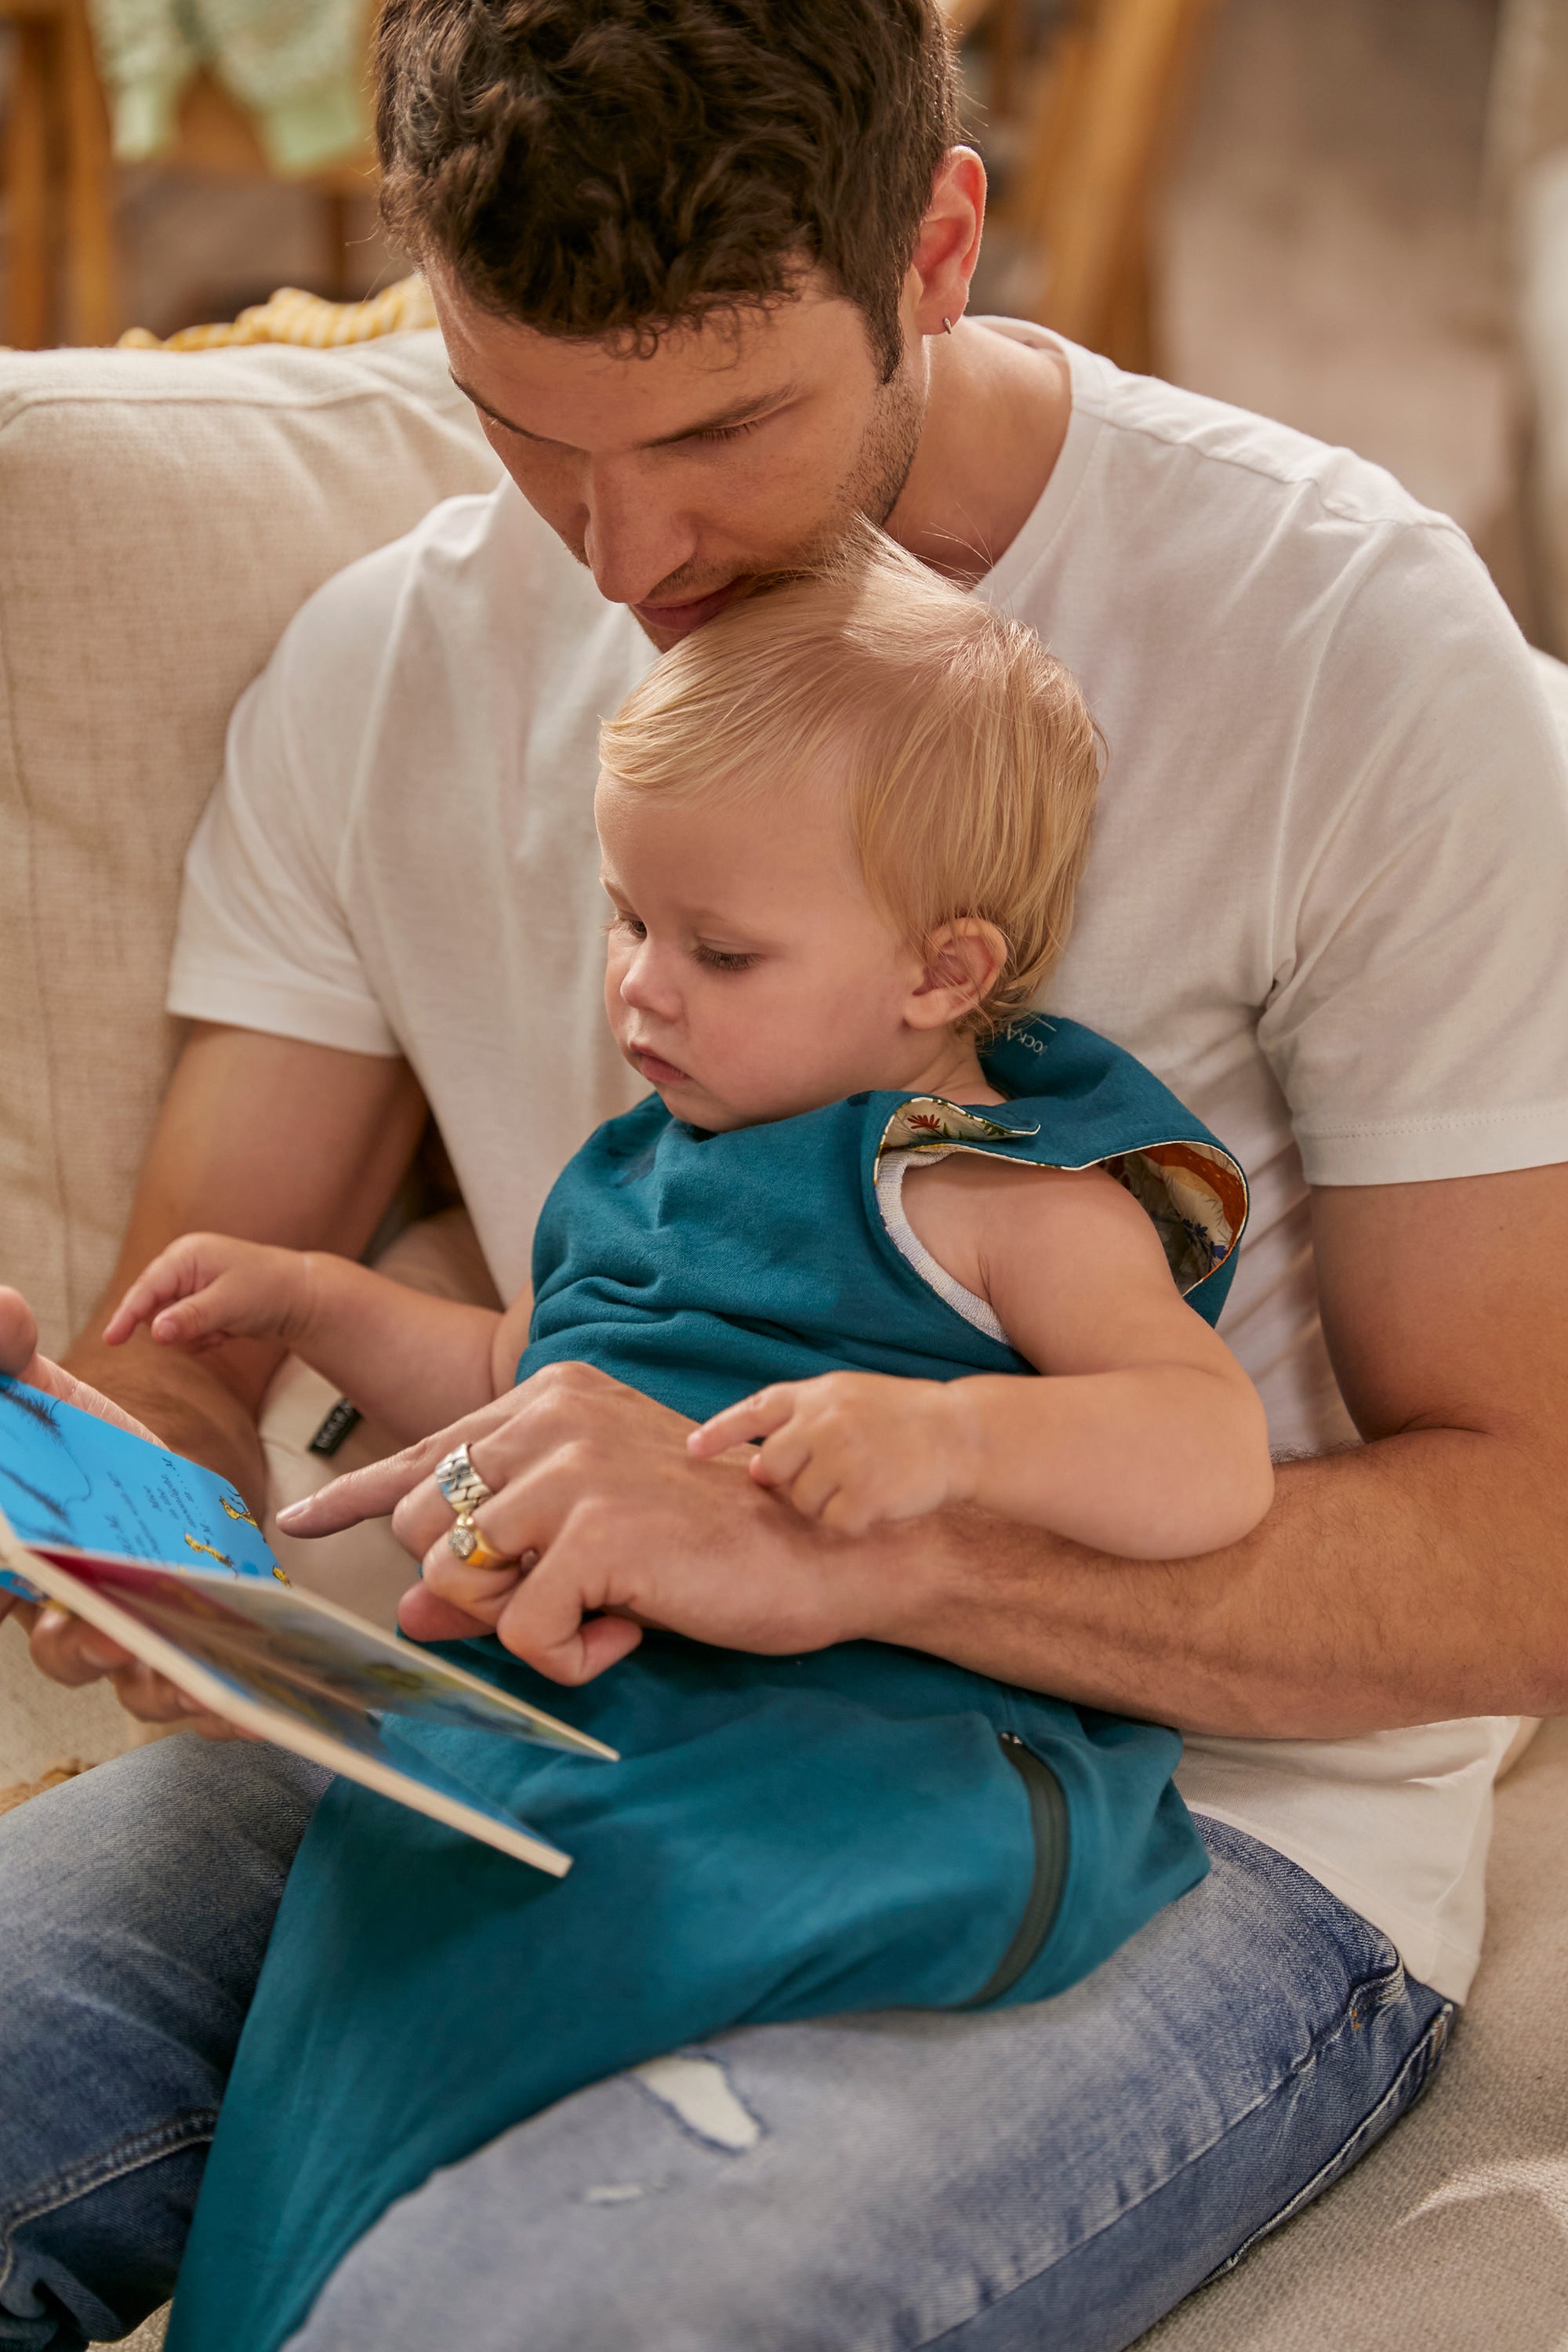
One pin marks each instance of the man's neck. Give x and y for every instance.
(995, 423)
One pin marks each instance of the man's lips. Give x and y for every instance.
(655, 1069)
(678, 620)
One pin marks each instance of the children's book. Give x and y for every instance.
(164, 1557)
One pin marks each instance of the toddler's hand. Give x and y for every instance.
(206, 1288)
(850, 1449)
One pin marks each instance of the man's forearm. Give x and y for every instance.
(192, 1405)
(1405, 1582)
(273, 1140)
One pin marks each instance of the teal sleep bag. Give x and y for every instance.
(860, 1828)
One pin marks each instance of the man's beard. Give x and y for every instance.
(872, 486)
(876, 484)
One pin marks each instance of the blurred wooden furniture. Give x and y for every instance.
(1095, 111)
(58, 180)
(61, 178)
(1097, 105)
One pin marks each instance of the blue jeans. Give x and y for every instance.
(1059, 2173)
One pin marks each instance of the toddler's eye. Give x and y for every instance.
(717, 961)
(629, 924)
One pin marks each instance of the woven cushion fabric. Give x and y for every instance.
(165, 516)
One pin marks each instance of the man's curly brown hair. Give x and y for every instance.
(609, 169)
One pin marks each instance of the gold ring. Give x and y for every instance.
(466, 1542)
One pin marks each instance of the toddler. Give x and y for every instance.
(870, 1200)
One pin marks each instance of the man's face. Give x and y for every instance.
(737, 450)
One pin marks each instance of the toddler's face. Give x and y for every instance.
(749, 976)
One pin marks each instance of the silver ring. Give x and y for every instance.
(461, 1482)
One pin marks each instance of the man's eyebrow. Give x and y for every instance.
(740, 411)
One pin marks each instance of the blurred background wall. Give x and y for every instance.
(1309, 207)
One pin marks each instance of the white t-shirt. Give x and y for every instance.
(1326, 904)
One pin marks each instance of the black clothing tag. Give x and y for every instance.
(342, 1417)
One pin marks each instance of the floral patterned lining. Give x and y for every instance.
(1195, 1193)
(928, 1119)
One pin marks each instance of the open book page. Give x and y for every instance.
(67, 1477)
(278, 1661)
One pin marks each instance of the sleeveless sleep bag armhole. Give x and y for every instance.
(1192, 1192)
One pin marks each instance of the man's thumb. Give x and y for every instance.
(18, 1335)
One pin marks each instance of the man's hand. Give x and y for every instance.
(19, 1357)
(629, 1531)
(850, 1449)
(64, 1648)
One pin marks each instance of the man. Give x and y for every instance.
(702, 269)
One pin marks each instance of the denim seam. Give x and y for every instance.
(81, 2180)
(1420, 2062)
(1350, 2018)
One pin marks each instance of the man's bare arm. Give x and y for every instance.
(1419, 1577)
(1416, 1577)
(272, 1140)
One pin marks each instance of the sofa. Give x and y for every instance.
(163, 516)
(1527, 176)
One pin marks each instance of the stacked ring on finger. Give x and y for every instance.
(469, 1544)
(461, 1482)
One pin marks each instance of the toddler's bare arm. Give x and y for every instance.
(407, 1361)
(1147, 1440)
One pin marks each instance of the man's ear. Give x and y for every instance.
(937, 285)
(961, 966)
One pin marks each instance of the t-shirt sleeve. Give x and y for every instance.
(1417, 1023)
(262, 941)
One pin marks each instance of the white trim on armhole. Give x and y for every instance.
(890, 1174)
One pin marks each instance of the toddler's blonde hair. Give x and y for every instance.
(971, 761)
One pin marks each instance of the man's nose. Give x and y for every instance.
(634, 535)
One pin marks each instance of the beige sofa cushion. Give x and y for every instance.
(163, 517)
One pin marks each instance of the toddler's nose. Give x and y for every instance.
(647, 986)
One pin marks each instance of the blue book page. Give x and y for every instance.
(67, 1477)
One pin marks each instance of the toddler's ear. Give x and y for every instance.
(963, 960)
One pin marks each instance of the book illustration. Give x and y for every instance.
(211, 1551)
(263, 1629)
(161, 1555)
(275, 1705)
(67, 1477)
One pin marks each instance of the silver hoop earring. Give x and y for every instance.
(946, 324)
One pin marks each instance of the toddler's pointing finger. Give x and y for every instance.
(754, 1416)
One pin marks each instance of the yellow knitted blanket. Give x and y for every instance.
(292, 317)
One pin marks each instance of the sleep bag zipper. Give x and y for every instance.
(1048, 1827)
